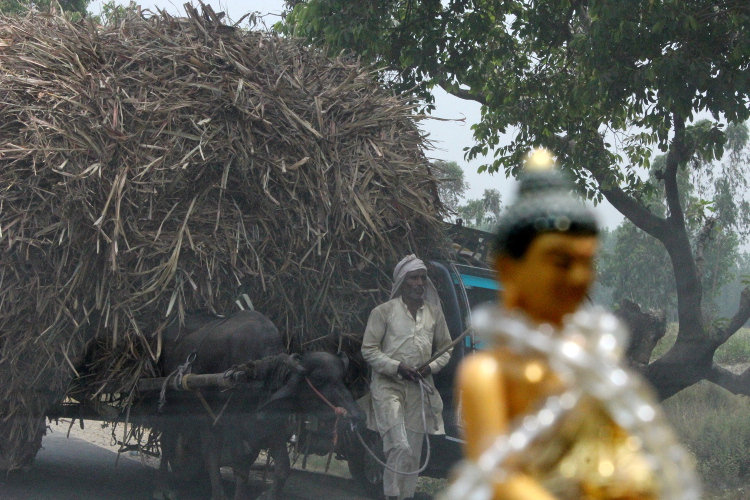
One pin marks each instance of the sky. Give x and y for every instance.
(450, 135)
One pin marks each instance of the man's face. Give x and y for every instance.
(414, 284)
(552, 278)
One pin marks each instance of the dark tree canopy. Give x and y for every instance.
(557, 70)
(603, 84)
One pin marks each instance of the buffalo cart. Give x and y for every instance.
(144, 406)
(463, 283)
(309, 434)
(164, 165)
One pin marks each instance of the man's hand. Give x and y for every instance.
(424, 371)
(408, 372)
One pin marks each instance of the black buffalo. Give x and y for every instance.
(243, 420)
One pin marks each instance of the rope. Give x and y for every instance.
(341, 412)
(422, 386)
(186, 367)
(337, 410)
(205, 404)
(179, 375)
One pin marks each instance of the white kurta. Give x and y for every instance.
(392, 336)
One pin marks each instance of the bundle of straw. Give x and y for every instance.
(169, 165)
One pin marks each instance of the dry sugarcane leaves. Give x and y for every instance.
(167, 165)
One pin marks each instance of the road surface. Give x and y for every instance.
(74, 469)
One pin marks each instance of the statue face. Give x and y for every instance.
(551, 279)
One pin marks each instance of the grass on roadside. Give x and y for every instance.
(735, 351)
(713, 423)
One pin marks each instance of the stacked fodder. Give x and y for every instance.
(168, 165)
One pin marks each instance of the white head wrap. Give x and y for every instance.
(405, 266)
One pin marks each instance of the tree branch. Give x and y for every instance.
(465, 94)
(678, 245)
(700, 244)
(739, 319)
(733, 382)
(628, 206)
(598, 164)
(675, 156)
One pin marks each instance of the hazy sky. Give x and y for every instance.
(449, 137)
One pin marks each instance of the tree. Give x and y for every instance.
(636, 266)
(112, 13)
(602, 84)
(22, 6)
(740, 274)
(637, 269)
(634, 273)
(483, 213)
(452, 184)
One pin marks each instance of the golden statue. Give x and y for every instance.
(548, 409)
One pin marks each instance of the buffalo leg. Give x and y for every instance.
(280, 456)
(241, 491)
(211, 449)
(242, 472)
(168, 444)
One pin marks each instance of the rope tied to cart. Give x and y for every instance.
(178, 377)
(186, 368)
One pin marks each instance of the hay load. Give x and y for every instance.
(169, 165)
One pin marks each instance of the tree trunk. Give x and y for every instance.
(690, 358)
(646, 329)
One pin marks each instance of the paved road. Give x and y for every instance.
(73, 469)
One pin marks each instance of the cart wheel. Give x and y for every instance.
(362, 466)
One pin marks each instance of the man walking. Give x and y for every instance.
(401, 336)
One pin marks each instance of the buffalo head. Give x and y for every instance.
(315, 380)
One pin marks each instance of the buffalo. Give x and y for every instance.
(234, 425)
